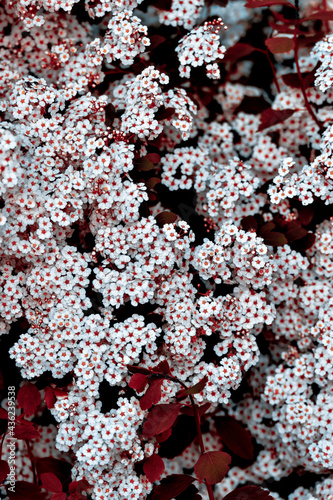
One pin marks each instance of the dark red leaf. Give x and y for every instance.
(195, 389)
(270, 117)
(308, 40)
(59, 468)
(212, 466)
(292, 80)
(49, 397)
(305, 215)
(163, 436)
(160, 418)
(138, 369)
(143, 164)
(188, 410)
(151, 183)
(3, 414)
(155, 41)
(249, 223)
(28, 398)
(152, 395)
(138, 382)
(279, 44)
(25, 429)
(253, 4)
(238, 51)
(249, 493)
(4, 470)
(110, 113)
(165, 217)
(274, 239)
(267, 228)
(51, 483)
(59, 496)
(164, 113)
(25, 491)
(323, 15)
(235, 436)
(172, 486)
(162, 367)
(78, 486)
(153, 157)
(304, 243)
(295, 231)
(153, 468)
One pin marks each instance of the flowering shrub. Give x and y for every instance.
(166, 232)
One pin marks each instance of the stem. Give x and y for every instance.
(32, 459)
(201, 443)
(198, 427)
(299, 74)
(327, 26)
(2, 440)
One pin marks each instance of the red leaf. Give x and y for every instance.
(238, 51)
(323, 15)
(275, 239)
(3, 414)
(4, 470)
(292, 80)
(49, 397)
(212, 466)
(143, 164)
(51, 482)
(138, 369)
(270, 117)
(160, 418)
(163, 436)
(153, 157)
(162, 367)
(151, 183)
(59, 496)
(153, 468)
(165, 217)
(138, 382)
(249, 493)
(172, 486)
(78, 486)
(235, 436)
(253, 4)
(25, 429)
(295, 231)
(155, 41)
(26, 491)
(28, 398)
(279, 44)
(305, 215)
(164, 113)
(59, 468)
(188, 410)
(152, 395)
(195, 389)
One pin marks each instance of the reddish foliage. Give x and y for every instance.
(153, 468)
(138, 382)
(28, 398)
(25, 429)
(279, 44)
(26, 491)
(172, 486)
(235, 436)
(4, 470)
(270, 117)
(152, 395)
(249, 493)
(160, 418)
(195, 389)
(51, 483)
(212, 466)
